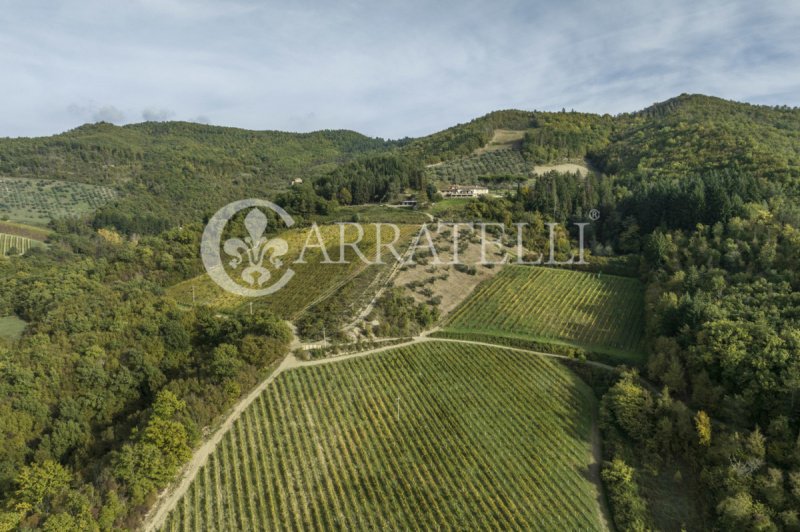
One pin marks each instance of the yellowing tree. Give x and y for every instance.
(703, 425)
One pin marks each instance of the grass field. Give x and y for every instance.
(376, 213)
(312, 282)
(37, 201)
(449, 205)
(11, 328)
(503, 139)
(432, 436)
(602, 313)
(15, 245)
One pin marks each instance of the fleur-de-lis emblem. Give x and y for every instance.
(255, 248)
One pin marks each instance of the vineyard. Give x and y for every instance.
(471, 170)
(312, 281)
(15, 245)
(424, 437)
(36, 201)
(602, 313)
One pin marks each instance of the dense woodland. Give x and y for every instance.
(103, 396)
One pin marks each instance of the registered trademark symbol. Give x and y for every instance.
(594, 215)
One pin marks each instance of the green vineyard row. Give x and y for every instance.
(14, 245)
(589, 312)
(416, 438)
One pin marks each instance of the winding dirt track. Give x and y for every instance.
(169, 498)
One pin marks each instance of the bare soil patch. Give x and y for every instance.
(502, 139)
(445, 283)
(562, 168)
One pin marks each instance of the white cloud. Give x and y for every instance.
(387, 69)
(108, 113)
(153, 114)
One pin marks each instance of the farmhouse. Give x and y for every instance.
(456, 191)
(409, 203)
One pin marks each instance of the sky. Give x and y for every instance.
(383, 68)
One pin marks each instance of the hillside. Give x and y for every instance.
(693, 134)
(427, 445)
(174, 172)
(117, 359)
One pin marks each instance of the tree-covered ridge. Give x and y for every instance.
(689, 135)
(107, 154)
(549, 136)
(692, 134)
(562, 136)
(174, 173)
(463, 139)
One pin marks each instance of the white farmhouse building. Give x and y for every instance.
(458, 191)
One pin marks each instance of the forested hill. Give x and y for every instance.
(172, 173)
(103, 153)
(175, 172)
(694, 134)
(688, 134)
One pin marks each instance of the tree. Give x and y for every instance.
(344, 196)
(702, 424)
(39, 484)
(150, 462)
(60, 522)
(225, 362)
(9, 520)
(657, 249)
(632, 407)
(735, 513)
(629, 239)
(629, 508)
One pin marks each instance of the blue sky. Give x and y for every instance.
(383, 68)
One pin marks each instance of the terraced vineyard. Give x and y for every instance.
(312, 281)
(414, 438)
(37, 201)
(469, 170)
(14, 245)
(602, 313)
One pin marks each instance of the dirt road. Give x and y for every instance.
(169, 498)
